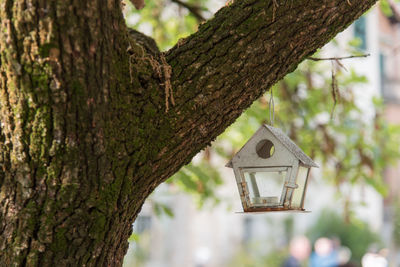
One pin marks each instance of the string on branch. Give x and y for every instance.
(334, 85)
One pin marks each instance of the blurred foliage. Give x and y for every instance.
(199, 180)
(161, 208)
(352, 146)
(242, 258)
(141, 252)
(385, 7)
(326, 123)
(396, 223)
(356, 235)
(165, 20)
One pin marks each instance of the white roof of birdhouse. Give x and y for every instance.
(287, 143)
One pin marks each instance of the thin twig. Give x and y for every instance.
(335, 89)
(337, 58)
(192, 9)
(340, 65)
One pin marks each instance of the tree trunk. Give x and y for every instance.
(92, 119)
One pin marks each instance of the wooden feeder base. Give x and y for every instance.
(273, 209)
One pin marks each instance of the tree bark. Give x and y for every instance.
(85, 134)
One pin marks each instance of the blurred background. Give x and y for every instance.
(345, 114)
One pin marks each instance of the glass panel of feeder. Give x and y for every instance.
(265, 188)
(299, 192)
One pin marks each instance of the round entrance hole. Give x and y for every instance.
(265, 149)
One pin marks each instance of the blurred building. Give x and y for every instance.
(389, 49)
(211, 237)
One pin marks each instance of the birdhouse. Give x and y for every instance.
(271, 172)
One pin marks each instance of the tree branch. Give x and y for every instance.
(217, 73)
(192, 9)
(337, 58)
(234, 58)
(86, 138)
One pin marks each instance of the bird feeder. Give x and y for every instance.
(271, 172)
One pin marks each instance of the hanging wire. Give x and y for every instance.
(271, 108)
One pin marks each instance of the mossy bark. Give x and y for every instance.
(84, 134)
